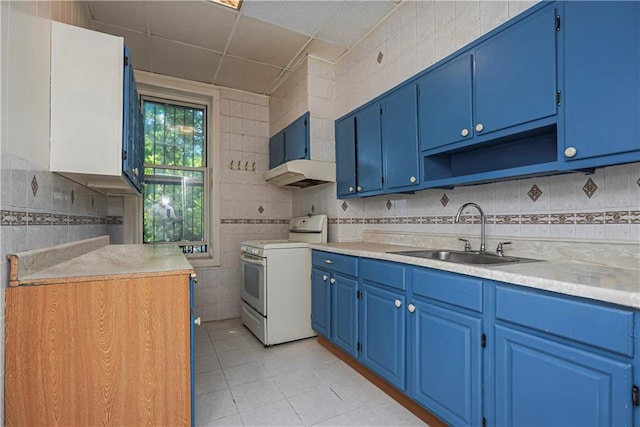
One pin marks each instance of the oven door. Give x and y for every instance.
(254, 282)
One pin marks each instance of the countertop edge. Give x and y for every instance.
(500, 273)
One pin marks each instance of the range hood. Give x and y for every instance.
(301, 173)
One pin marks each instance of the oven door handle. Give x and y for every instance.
(251, 260)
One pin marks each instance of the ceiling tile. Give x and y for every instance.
(137, 43)
(197, 23)
(324, 50)
(353, 20)
(127, 14)
(305, 17)
(265, 42)
(183, 61)
(245, 75)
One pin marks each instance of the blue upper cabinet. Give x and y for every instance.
(601, 83)
(515, 74)
(368, 150)
(291, 143)
(400, 138)
(445, 103)
(132, 127)
(507, 80)
(276, 150)
(346, 156)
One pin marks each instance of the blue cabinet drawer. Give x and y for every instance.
(608, 328)
(335, 262)
(452, 288)
(385, 273)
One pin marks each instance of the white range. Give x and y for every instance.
(276, 282)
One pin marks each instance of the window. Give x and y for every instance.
(175, 199)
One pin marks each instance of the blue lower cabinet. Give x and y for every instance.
(192, 352)
(544, 383)
(446, 362)
(320, 302)
(344, 313)
(383, 333)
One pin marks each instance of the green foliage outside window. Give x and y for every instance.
(175, 174)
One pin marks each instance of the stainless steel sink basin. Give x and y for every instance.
(464, 257)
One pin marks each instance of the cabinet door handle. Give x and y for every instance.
(358, 188)
(398, 303)
(464, 132)
(479, 127)
(135, 171)
(328, 261)
(197, 321)
(411, 308)
(324, 277)
(570, 152)
(350, 189)
(332, 281)
(412, 179)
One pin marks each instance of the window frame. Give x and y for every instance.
(171, 89)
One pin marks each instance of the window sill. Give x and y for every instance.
(203, 262)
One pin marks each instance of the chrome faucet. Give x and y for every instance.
(482, 220)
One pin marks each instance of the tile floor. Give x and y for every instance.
(241, 383)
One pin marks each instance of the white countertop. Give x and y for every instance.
(610, 284)
(113, 261)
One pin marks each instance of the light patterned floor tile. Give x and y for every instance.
(213, 406)
(256, 394)
(274, 414)
(247, 373)
(206, 363)
(208, 382)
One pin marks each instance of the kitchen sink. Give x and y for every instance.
(460, 257)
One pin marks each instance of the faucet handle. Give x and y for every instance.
(499, 249)
(467, 245)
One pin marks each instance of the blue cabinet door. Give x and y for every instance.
(445, 103)
(601, 79)
(400, 138)
(296, 139)
(132, 127)
(276, 150)
(446, 363)
(346, 156)
(515, 74)
(383, 333)
(368, 150)
(320, 302)
(543, 383)
(344, 313)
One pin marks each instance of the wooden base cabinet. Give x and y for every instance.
(110, 351)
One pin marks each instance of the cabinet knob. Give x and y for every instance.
(358, 188)
(135, 171)
(464, 132)
(411, 308)
(398, 303)
(332, 281)
(197, 321)
(324, 277)
(328, 261)
(479, 127)
(350, 189)
(570, 151)
(412, 179)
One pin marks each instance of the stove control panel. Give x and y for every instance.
(250, 250)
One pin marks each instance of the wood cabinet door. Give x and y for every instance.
(346, 156)
(400, 138)
(104, 352)
(543, 383)
(344, 313)
(515, 74)
(321, 302)
(445, 103)
(296, 139)
(368, 150)
(446, 363)
(601, 79)
(383, 333)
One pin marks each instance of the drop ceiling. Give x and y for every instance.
(254, 49)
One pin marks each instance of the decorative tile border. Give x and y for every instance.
(21, 218)
(234, 221)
